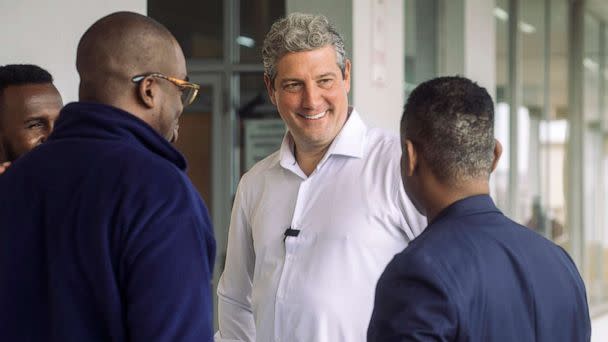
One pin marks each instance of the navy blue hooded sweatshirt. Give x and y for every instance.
(103, 237)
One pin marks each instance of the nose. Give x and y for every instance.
(311, 98)
(42, 139)
(44, 135)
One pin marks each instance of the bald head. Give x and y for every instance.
(118, 47)
(123, 45)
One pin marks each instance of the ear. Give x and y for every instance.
(270, 89)
(147, 91)
(497, 154)
(347, 66)
(410, 155)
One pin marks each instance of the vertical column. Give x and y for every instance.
(544, 181)
(452, 37)
(574, 169)
(600, 195)
(467, 41)
(514, 104)
(379, 58)
(480, 43)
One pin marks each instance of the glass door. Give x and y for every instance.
(208, 150)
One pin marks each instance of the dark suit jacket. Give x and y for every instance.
(475, 275)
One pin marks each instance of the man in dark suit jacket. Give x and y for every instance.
(473, 274)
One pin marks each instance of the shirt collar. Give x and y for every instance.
(468, 206)
(349, 142)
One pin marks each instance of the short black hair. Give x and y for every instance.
(19, 74)
(451, 121)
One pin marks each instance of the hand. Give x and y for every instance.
(4, 166)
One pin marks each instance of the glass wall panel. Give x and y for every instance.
(421, 47)
(500, 176)
(605, 80)
(194, 141)
(530, 207)
(261, 128)
(198, 26)
(544, 126)
(256, 18)
(591, 67)
(542, 132)
(553, 130)
(604, 171)
(592, 159)
(548, 126)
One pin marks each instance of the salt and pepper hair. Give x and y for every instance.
(300, 32)
(450, 120)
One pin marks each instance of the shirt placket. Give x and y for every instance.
(291, 244)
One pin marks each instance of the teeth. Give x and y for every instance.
(314, 116)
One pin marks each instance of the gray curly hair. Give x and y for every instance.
(300, 32)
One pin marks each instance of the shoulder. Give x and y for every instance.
(437, 247)
(419, 262)
(260, 170)
(378, 138)
(382, 148)
(145, 181)
(149, 169)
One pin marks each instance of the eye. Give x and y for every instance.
(35, 124)
(292, 87)
(325, 82)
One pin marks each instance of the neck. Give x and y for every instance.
(443, 196)
(308, 159)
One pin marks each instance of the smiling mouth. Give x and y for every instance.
(313, 116)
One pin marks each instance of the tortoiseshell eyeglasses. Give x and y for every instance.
(189, 90)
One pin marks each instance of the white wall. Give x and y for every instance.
(46, 33)
(380, 103)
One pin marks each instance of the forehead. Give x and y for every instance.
(308, 63)
(29, 99)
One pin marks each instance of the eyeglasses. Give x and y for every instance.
(188, 90)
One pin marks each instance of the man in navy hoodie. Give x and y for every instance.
(473, 274)
(102, 235)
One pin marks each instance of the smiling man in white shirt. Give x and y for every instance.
(314, 224)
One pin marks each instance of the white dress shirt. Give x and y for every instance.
(353, 217)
